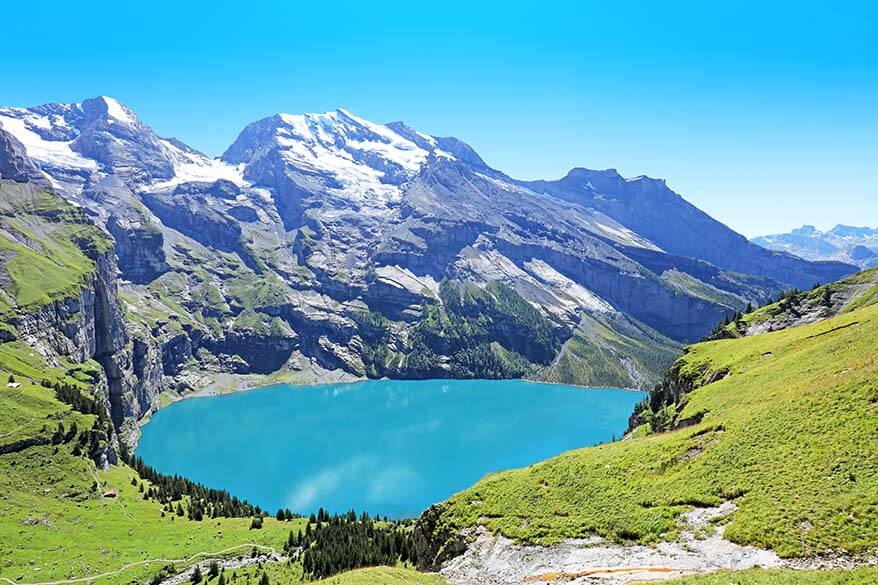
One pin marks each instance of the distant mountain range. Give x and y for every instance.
(854, 245)
(326, 242)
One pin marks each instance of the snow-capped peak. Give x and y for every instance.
(72, 141)
(353, 157)
(117, 111)
(341, 133)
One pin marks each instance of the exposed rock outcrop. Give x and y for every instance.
(435, 545)
(139, 247)
(14, 162)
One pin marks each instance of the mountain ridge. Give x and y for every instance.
(855, 245)
(328, 243)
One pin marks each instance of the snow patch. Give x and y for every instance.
(355, 152)
(578, 294)
(52, 153)
(406, 279)
(430, 140)
(508, 186)
(118, 112)
(191, 167)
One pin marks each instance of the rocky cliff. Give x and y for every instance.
(73, 314)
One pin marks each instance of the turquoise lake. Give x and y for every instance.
(387, 446)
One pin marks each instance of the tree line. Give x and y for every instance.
(91, 442)
(337, 543)
(203, 501)
(167, 490)
(787, 302)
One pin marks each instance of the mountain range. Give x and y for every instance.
(327, 245)
(854, 245)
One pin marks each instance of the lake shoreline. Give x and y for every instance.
(392, 446)
(209, 392)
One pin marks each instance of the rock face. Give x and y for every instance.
(648, 207)
(334, 242)
(82, 319)
(139, 247)
(434, 546)
(14, 163)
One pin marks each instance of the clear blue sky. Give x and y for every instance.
(765, 114)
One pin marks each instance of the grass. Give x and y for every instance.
(54, 522)
(382, 576)
(788, 434)
(292, 573)
(593, 356)
(865, 576)
(46, 246)
(56, 526)
(862, 286)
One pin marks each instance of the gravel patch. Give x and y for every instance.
(495, 560)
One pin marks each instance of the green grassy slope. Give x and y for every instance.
(854, 292)
(281, 574)
(54, 521)
(788, 433)
(608, 352)
(42, 239)
(383, 576)
(864, 576)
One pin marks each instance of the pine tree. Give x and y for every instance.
(213, 571)
(264, 579)
(196, 575)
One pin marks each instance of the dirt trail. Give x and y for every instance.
(191, 559)
(639, 572)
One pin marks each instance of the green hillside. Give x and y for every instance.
(63, 518)
(607, 352)
(796, 306)
(863, 576)
(43, 244)
(787, 431)
(782, 423)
